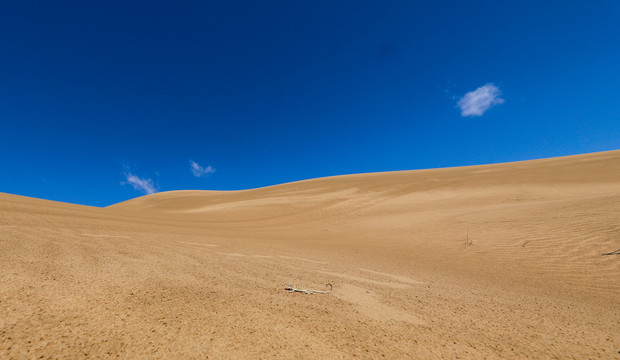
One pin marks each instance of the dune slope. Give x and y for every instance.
(494, 261)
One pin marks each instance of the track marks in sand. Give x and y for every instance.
(199, 244)
(231, 254)
(369, 304)
(302, 259)
(369, 281)
(108, 236)
(395, 277)
(243, 255)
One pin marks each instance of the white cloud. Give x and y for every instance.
(477, 102)
(145, 185)
(199, 171)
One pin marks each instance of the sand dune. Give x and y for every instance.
(200, 274)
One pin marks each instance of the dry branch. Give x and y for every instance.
(291, 288)
(617, 252)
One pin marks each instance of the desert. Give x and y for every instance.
(511, 260)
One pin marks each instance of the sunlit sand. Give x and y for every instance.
(495, 261)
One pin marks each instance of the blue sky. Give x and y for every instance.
(105, 101)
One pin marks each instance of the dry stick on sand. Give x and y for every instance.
(617, 252)
(291, 288)
(468, 240)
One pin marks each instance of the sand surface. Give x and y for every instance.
(496, 261)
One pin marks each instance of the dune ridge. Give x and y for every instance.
(492, 261)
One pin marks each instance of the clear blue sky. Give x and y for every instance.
(101, 101)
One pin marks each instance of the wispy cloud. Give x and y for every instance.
(145, 185)
(199, 171)
(477, 102)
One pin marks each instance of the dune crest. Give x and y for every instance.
(496, 261)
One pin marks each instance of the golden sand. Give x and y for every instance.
(495, 261)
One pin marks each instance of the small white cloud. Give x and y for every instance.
(145, 185)
(199, 171)
(477, 102)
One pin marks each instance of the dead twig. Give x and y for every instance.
(617, 252)
(291, 288)
(468, 240)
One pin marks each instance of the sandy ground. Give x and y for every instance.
(496, 261)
